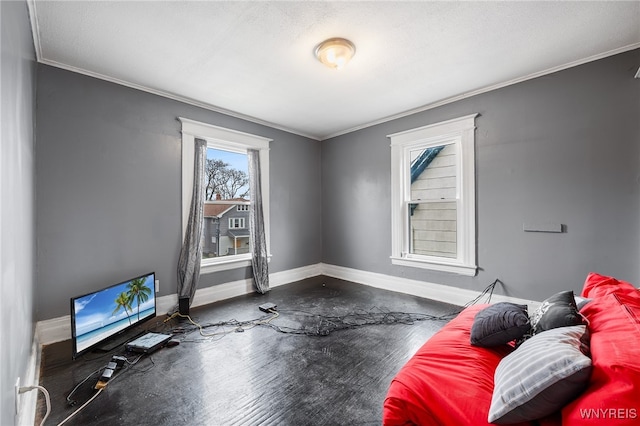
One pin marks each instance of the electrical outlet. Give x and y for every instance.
(17, 394)
(157, 286)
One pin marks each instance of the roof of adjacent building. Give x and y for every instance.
(218, 210)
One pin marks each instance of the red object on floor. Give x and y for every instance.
(447, 381)
(450, 382)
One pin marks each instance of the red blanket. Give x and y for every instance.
(447, 382)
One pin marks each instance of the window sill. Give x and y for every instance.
(210, 266)
(456, 268)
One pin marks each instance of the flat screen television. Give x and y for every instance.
(101, 315)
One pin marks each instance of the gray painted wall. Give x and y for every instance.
(109, 189)
(17, 199)
(563, 148)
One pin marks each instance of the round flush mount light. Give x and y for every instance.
(335, 52)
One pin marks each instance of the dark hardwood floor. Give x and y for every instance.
(259, 376)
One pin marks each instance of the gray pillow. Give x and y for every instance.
(499, 324)
(540, 377)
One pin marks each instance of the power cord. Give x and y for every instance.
(47, 398)
(72, 402)
(81, 407)
(99, 386)
(239, 326)
(324, 324)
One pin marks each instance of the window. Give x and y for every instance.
(236, 222)
(226, 200)
(226, 181)
(433, 197)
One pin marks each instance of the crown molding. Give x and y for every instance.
(486, 89)
(175, 97)
(35, 30)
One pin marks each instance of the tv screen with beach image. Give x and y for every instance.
(100, 315)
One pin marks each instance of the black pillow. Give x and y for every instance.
(559, 310)
(499, 323)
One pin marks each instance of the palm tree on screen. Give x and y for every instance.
(123, 301)
(137, 290)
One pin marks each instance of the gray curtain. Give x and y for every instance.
(191, 253)
(259, 259)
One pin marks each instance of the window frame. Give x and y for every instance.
(229, 140)
(461, 132)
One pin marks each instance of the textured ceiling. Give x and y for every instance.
(255, 59)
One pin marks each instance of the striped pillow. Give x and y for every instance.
(545, 373)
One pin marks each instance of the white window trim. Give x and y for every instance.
(463, 131)
(231, 140)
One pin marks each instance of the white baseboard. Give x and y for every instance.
(59, 329)
(293, 275)
(439, 292)
(54, 330)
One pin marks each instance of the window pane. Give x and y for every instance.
(433, 173)
(432, 228)
(226, 211)
(432, 225)
(226, 175)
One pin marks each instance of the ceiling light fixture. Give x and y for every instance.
(335, 52)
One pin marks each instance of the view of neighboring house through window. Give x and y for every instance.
(226, 210)
(433, 197)
(225, 239)
(432, 203)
